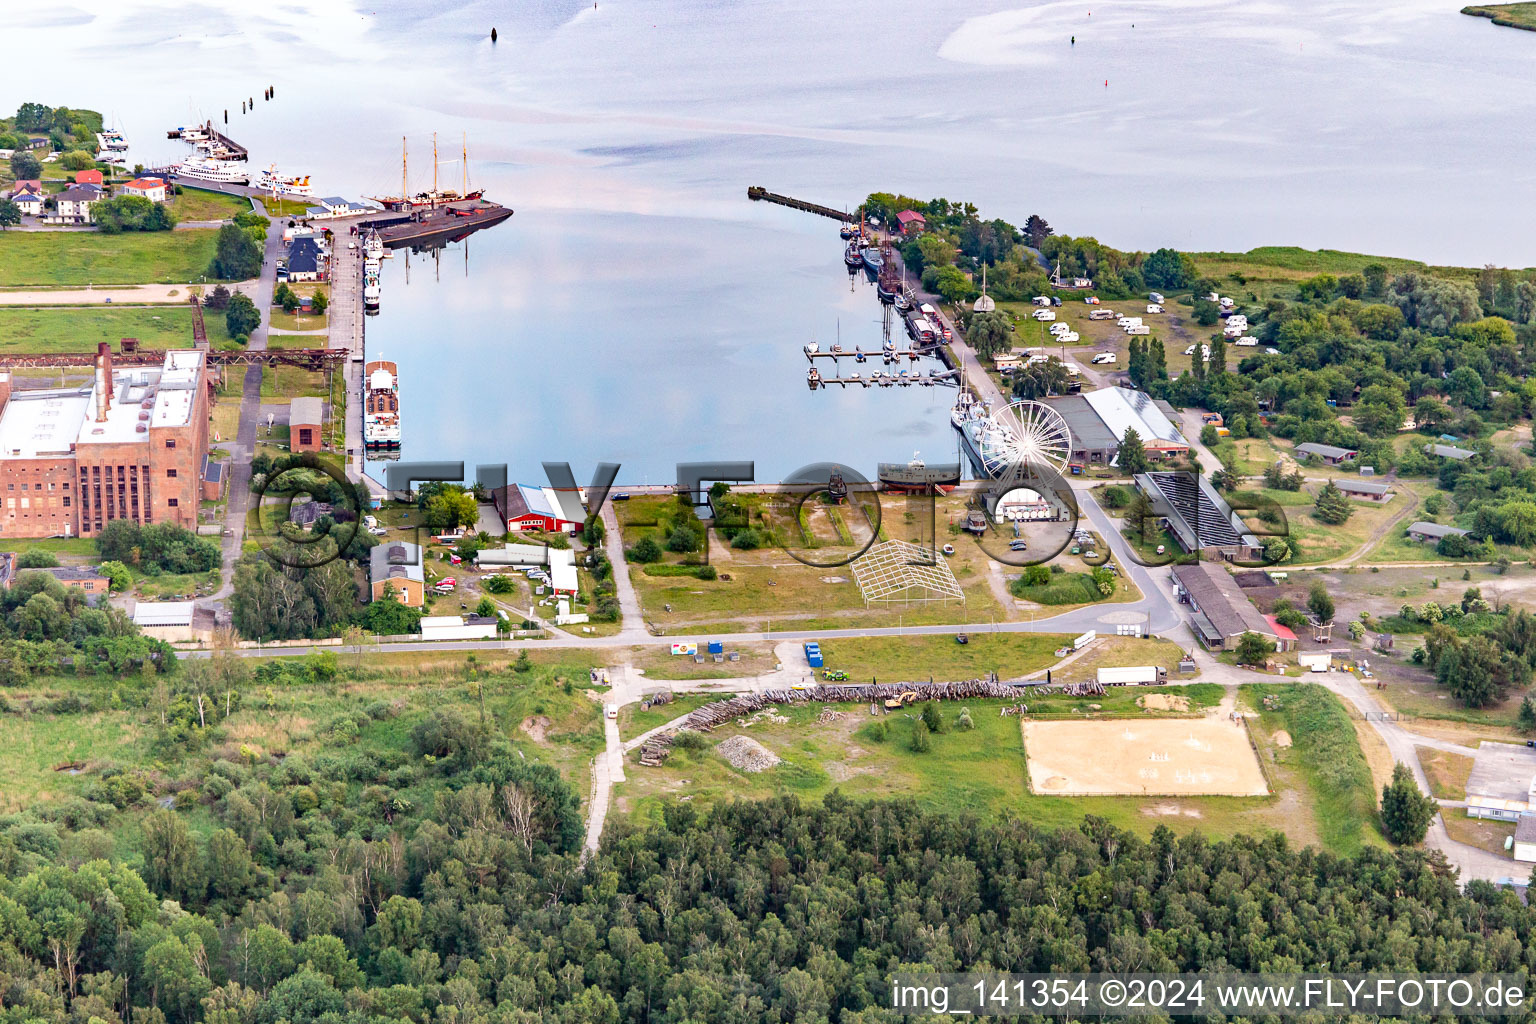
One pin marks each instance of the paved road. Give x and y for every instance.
(1470, 861)
(243, 449)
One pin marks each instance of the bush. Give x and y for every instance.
(747, 540)
(646, 550)
(964, 722)
(707, 572)
(36, 559)
(1116, 496)
(877, 732)
(933, 718)
(920, 741)
(687, 739)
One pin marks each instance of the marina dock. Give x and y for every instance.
(759, 194)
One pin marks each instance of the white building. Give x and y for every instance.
(73, 206)
(456, 627)
(165, 620)
(152, 189)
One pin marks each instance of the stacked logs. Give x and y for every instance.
(722, 711)
(655, 750)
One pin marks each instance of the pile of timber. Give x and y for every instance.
(655, 750)
(722, 711)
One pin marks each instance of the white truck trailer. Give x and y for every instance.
(1134, 675)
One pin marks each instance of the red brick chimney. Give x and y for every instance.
(103, 380)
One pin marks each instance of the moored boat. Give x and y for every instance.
(211, 170)
(381, 407)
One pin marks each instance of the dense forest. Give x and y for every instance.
(441, 880)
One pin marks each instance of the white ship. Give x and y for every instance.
(373, 246)
(212, 170)
(381, 407)
(269, 180)
(371, 290)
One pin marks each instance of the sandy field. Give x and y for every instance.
(1183, 757)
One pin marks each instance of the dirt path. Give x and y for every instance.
(128, 295)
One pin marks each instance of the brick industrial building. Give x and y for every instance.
(129, 445)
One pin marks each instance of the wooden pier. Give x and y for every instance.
(758, 193)
(879, 379)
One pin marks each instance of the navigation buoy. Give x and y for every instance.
(493, 33)
(1106, 83)
(1074, 40)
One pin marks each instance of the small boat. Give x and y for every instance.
(847, 232)
(811, 347)
(852, 256)
(373, 245)
(872, 260)
(858, 355)
(903, 302)
(886, 295)
(813, 378)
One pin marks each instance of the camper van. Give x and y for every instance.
(1102, 314)
(1104, 357)
(1041, 300)
(1138, 329)
(1060, 328)
(1044, 315)
(1154, 308)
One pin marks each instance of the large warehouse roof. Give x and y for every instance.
(1122, 409)
(1088, 431)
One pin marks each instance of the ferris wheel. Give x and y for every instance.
(1027, 438)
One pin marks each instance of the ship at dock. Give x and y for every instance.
(433, 218)
(381, 409)
(197, 169)
(429, 199)
(915, 477)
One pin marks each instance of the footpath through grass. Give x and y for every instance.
(1325, 752)
(79, 258)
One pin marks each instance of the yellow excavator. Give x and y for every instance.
(892, 703)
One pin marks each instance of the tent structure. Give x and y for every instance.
(900, 571)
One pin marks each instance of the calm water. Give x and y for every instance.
(637, 308)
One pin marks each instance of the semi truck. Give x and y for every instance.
(1135, 675)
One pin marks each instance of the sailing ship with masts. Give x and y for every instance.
(407, 200)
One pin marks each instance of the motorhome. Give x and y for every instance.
(1041, 300)
(1138, 329)
(1102, 314)
(1104, 357)
(1154, 308)
(1246, 341)
(1044, 315)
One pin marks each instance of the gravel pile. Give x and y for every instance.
(746, 754)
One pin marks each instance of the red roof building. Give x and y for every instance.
(1285, 640)
(911, 221)
(87, 177)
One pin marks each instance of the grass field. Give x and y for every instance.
(918, 658)
(1285, 262)
(981, 771)
(1447, 772)
(195, 204)
(49, 329)
(34, 744)
(285, 207)
(291, 382)
(78, 258)
(1323, 751)
(633, 720)
(1521, 15)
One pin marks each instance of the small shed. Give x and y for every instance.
(1525, 839)
(305, 416)
(1315, 661)
(164, 620)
